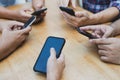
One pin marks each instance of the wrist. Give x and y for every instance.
(53, 77)
(93, 19)
(115, 30)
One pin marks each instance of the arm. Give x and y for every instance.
(19, 15)
(10, 40)
(104, 16)
(83, 18)
(6, 13)
(109, 14)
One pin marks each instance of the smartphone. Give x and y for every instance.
(51, 42)
(29, 22)
(68, 10)
(87, 34)
(37, 13)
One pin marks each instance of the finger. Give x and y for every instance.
(107, 33)
(19, 28)
(39, 6)
(26, 30)
(88, 28)
(61, 58)
(103, 47)
(81, 14)
(65, 3)
(98, 34)
(73, 3)
(25, 14)
(101, 41)
(102, 52)
(52, 53)
(18, 23)
(83, 19)
(104, 58)
(68, 16)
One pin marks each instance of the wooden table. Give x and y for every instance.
(82, 60)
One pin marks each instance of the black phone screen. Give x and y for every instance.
(37, 13)
(89, 35)
(51, 42)
(68, 10)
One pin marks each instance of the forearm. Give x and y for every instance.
(0, 28)
(7, 14)
(4, 52)
(116, 27)
(1, 25)
(104, 16)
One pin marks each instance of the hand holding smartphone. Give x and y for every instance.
(29, 22)
(67, 10)
(51, 42)
(37, 13)
(89, 35)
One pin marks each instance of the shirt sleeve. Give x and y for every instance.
(115, 3)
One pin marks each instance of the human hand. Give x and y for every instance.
(38, 4)
(108, 49)
(10, 40)
(40, 17)
(10, 25)
(23, 14)
(100, 31)
(67, 2)
(55, 66)
(77, 20)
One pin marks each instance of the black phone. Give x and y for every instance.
(87, 34)
(68, 10)
(51, 42)
(37, 13)
(29, 22)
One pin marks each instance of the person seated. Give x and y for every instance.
(104, 11)
(21, 14)
(108, 47)
(12, 37)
